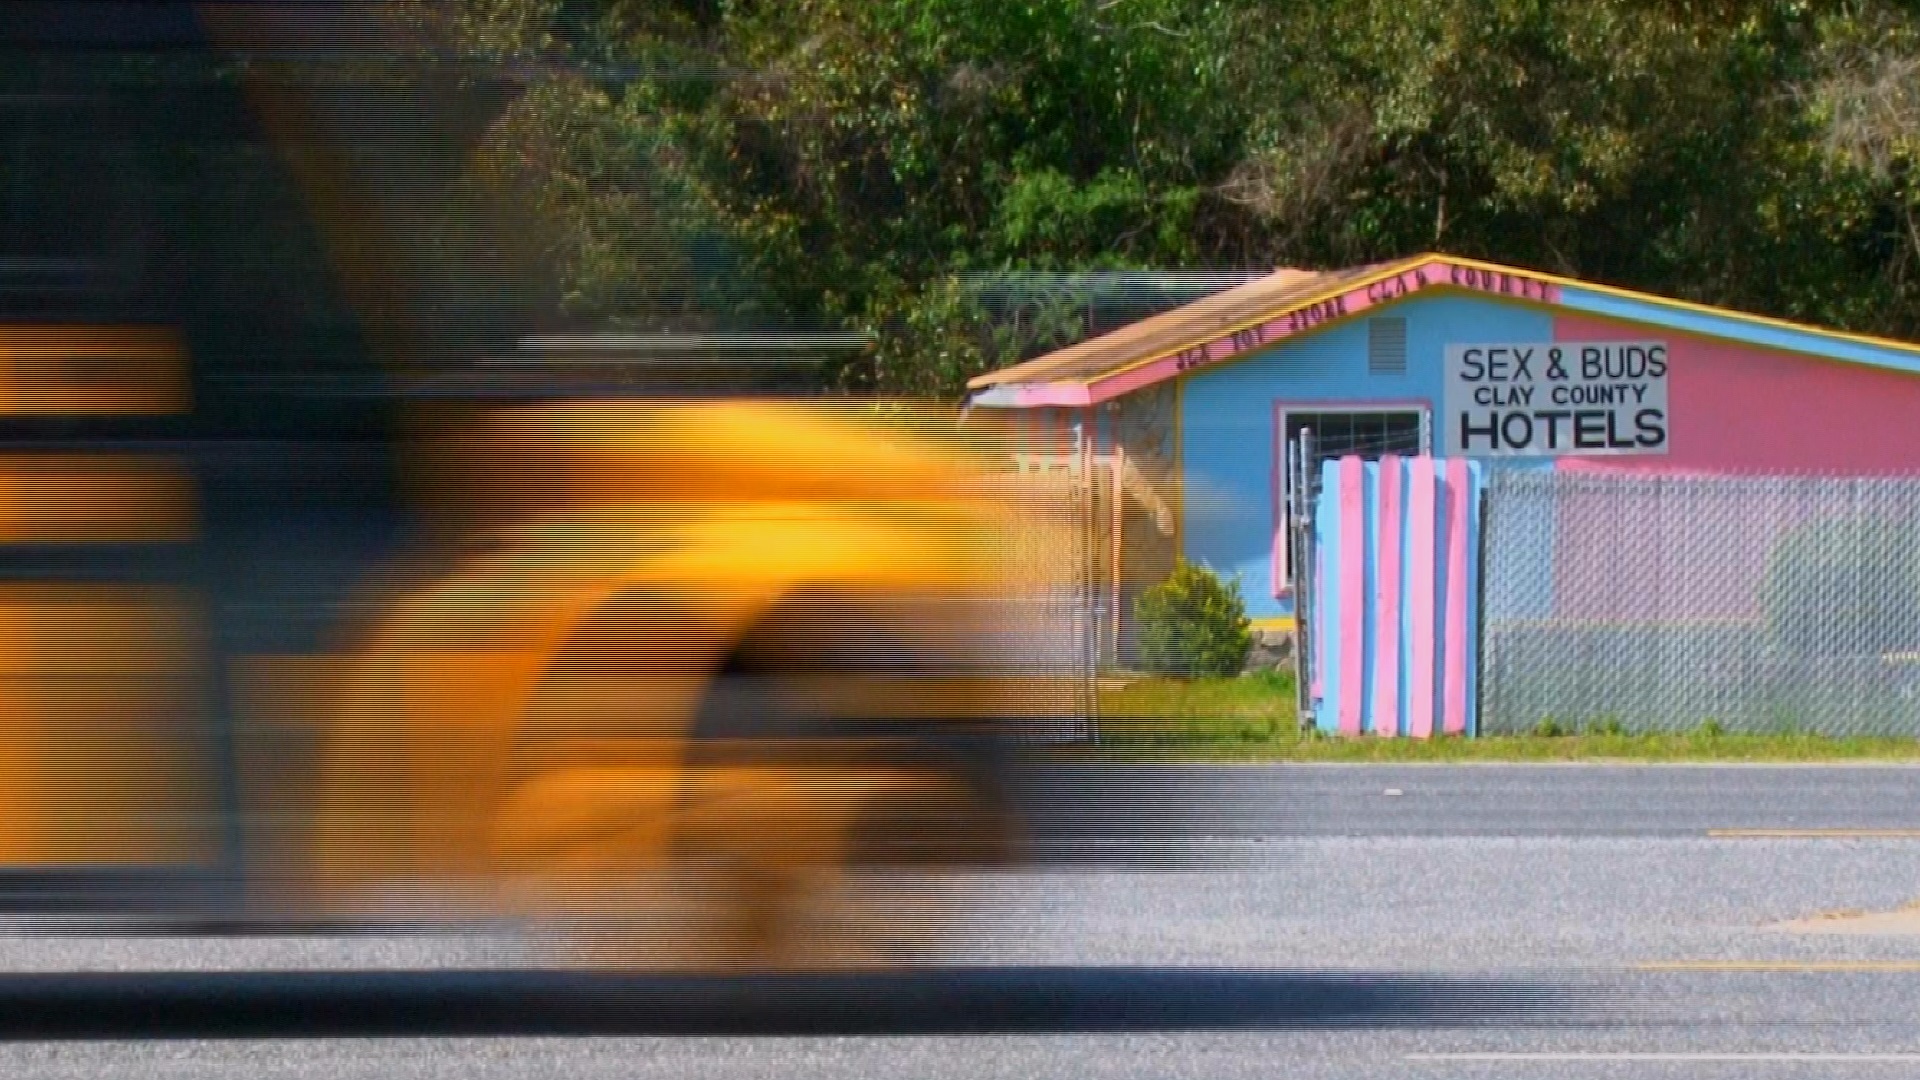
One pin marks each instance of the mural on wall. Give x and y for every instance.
(1143, 429)
(1143, 424)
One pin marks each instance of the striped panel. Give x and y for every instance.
(1398, 574)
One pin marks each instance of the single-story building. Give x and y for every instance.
(1450, 357)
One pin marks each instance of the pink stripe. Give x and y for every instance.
(1386, 608)
(1040, 395)
(1227, 347)
(1516, 285)
(1420, 579)
(1352, 586)
(1277, 568)
(1453, 709)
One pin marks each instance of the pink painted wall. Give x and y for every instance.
(1732, 409)
(1700, 554)
(1741, 409)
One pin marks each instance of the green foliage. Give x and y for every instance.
(863, 164)
(1277, 681)
(1848, 587)
(1240, 719)
(1193, 624)
(1549, 728)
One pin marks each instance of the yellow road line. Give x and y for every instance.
(1781, 965)
(1814, 834)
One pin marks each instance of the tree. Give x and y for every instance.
(868, 164)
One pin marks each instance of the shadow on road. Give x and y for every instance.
(82, 1006)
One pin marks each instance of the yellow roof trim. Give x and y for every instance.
(1391, 270)
(1426, 259)
(1698, 308)
(1387, 270)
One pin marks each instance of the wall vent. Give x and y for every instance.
(1386, 346)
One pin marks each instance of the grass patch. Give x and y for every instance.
(1254, 718)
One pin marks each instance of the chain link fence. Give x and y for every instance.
(1051, 489)
(1764, 604)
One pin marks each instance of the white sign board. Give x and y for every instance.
(1556, 399)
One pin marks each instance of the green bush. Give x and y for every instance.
(1193, 624)
(1849, 587)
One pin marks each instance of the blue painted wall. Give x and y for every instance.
(1227, 421)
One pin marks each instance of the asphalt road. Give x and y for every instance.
(1567, 800)
(1428, 921)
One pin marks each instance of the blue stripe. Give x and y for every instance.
(1735, 328)
(1326, 529)
(1476, 475)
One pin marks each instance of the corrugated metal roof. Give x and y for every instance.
(1176, 329)
(1288, 302)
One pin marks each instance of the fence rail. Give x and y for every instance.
(1662, 603)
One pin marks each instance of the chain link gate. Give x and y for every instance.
(1057, 489)
(1314, 435)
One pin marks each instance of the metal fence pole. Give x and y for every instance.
(1087, 518)
(1479, 628)
(1301, 570)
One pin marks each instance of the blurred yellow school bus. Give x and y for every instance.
(315, 607)
(666, 677)
(703, 658)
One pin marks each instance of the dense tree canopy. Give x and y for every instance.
(875, 165)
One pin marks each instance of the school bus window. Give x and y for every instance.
(82, 371)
